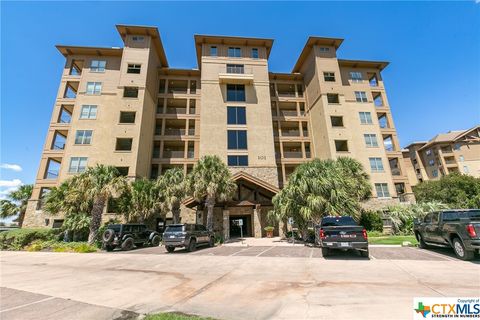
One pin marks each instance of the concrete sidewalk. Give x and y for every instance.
(263, 242)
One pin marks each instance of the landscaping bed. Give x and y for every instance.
(174, 316)
(396, 240)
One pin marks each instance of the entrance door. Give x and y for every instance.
(240, 226)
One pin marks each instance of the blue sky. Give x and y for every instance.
(433, 81)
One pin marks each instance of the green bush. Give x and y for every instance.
(371, 220)
(20, 238)
(58, 246)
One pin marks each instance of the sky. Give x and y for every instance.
(432, 82)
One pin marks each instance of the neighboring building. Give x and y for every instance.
(454, 151)
(128, 108)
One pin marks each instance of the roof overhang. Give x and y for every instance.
(311, 42)
(228, 40)
(285, 76)
(179, 72)
(380, 65)
(87, 51)
(152, 32)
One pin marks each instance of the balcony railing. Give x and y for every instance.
(58, 146)
(190, 154)
(52, 174)
(290, 133)
(289, 113)
(292, 154)
(173, 154)
(174, 132)
(172, 110)
(395, 172)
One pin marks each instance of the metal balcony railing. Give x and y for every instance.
(52, 174)
(290, 133)
(289, 113)
(292, 154)
(172, 110)
(173, 154)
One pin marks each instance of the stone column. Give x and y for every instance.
(257, 221)
(226, 225)
(281, 229)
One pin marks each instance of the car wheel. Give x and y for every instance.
(211, 243)
(127, 244)
(364, 253)
(170, 249)
(109, 248)
(325, 252)
(155, 242)
(421, 243)
(192, 245)
(460, 250)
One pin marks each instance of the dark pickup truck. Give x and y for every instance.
(458, 229)
(341, 233)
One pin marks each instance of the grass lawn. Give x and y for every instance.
(392, 240)
(174, 316)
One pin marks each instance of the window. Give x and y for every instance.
(465, 169)
(329, 76)
(130, 92)
(65, 115)
(435, 173)
(324, 49)
(235, 68)
(456, 146)
(234, 52)
(461, 158)
(361, 96)
(213, 51)
(332, 98)
(127, 116)
(57, 223)
(94, 87)
(83, 137)
(377, 99)
(134, 68)
(58, 142)
(237, 161)
(365, 117)
(88, 112)
(123, 144)
(428, 152)
(376, 164)
(98, 65)
(235, 92)
(336, 121)
(388, 143)
(341, 145)
(237, 139)
(77, 164)
(431, 162)
(356, 76)
(370, 140)
(123, 171)
(138, 38)
(236, 115)
(382, 190)
(53, 168)
(254, 53)
(76, 68)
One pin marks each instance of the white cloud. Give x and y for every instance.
(10, 183)
(8, 166)
(4, 193)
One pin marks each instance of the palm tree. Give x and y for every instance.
(98, 184)
(17, 203)
(139, 200)
(173, 186)
(210, 180)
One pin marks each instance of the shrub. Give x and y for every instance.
(269, 229)
(20, 238)
(58, 246)
(371, 220)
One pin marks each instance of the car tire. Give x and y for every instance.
(109, 248)
(325, 252)
(127, 244)
(460, 250)
(192, 245)
(364, 253)
(421, 243)
(155, 242)
(108, 235)
(170, 249)
(211, 243)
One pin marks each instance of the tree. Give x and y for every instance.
(210, 180)
(17, 203)
(173, 187)
(402, 216)
(98, 184)
(456, 190)
(319, 188)
(139, 200)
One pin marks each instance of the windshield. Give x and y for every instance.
(114, 227)
(338, 221)
(174, 228)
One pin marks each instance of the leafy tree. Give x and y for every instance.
(98, 184)
(403, 216)
(320, 188)
(16, 203)
(210, 180)
(78, 224)
(140, 200)
(173, 187)
(456, 190)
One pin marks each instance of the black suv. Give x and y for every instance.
(188, 236)
(126, 236)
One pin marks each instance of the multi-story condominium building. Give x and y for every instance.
(128, 108)
(454, 151)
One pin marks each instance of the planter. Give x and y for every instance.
(269, 233)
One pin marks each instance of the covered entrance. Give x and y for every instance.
(240, 226)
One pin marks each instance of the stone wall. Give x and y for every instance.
(267, 174)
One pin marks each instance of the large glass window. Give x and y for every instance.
(98, 65)
(134, 68)
(236, 115)
(77, 164)
(234, 52)
(371, 140)
(213, 51)
(329, 76)
(382, 190)
(376, 164)
(94, 87)
(235, 68)
(130, 92)
(237, 139)
(88, 112)
(332, 98)
(361, 96)
(124, 144)
(127, 116)
(254, 53)
(356, 76)
(83, 137)
(237, 161)
(53, 169)
(235, 92)
(365, 117)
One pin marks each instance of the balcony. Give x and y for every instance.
(286, 90)
(235, 74)
(173, 154)
(71, 90)
(288, 109)
(173, 150)
(292, 154)
(178, 86)
(290, 133)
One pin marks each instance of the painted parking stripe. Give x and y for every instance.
(437, 255)
(28, 304)
(265, 251)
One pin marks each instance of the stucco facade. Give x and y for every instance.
(148, 117)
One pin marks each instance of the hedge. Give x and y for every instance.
(19, 238)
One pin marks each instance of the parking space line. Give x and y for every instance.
(265, 251)
(241, 250)
(437, 255)
(28, 304)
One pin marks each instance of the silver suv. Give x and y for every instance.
(187, 236)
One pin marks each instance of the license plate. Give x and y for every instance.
(171, 237)
(344, 244)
